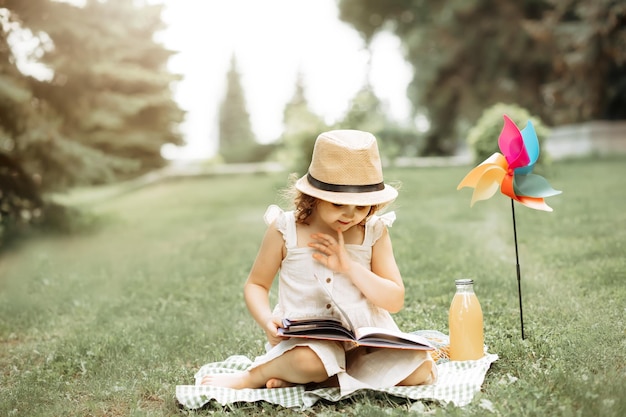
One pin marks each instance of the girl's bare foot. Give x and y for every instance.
(240, 380)
(278, 383)
(237, 380)
(300, 365)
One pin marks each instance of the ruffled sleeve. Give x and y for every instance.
(277, 216)
(274, 214)
(378, 224)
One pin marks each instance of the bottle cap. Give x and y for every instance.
(465, 281)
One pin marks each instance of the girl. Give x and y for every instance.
(332, 246)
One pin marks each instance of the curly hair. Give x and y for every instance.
(304, 204)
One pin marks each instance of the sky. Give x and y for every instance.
(272, 41)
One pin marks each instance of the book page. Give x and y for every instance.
(394, 337)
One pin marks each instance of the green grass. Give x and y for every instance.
(107, 323)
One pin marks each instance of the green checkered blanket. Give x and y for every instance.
(458, 382)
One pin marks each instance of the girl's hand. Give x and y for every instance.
(271, 330)
(331, 252)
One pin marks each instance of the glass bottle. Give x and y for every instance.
(465, 322)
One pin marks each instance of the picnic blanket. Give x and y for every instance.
(458, 382)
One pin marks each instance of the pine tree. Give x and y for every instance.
(108, 109)
(301, 128)
(105, 113)
(237, 142)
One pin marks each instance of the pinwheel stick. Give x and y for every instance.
(519, 278)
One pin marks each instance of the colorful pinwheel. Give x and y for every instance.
(512, 171)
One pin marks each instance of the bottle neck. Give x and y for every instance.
(464, 287)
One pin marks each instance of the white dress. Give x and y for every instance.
(300, 294)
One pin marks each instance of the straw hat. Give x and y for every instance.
(346, 169)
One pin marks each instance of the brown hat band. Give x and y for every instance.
(341, 188)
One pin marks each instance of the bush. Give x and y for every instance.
(21, 204)
(482, 139)
(24, 211)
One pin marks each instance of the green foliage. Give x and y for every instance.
(24, 212)
(296, 150)
(20, 203)
(109, 323)
(483, 137)
(396, 141)
(466, 68)
(301, 126)
(107, 109)
(588, 80)
(563, 60)
(236, 138)
(369, 16)
(367, 112)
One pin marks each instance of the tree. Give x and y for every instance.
(465, 55)
(108, 108)
(117, 103)
(367, 112)
(588, 77)
(236, 138)
(470, 55)
(301, 128)
(103, 114)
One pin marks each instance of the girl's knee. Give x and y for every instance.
(425, 374)
(306, 361)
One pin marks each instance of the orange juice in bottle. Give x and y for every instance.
(465, 321)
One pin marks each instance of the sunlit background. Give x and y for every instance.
(107, 92)
(273, 41)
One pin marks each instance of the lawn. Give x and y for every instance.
(108, 322)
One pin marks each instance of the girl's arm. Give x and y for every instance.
(257, 287)
(382, 285)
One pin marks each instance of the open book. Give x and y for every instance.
(331, 328)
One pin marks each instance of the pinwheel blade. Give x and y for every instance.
(511, 145)
(472, 178)
(507, 188)
(533, 185)
(534, 203)
(531, 142)
(488, 184)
